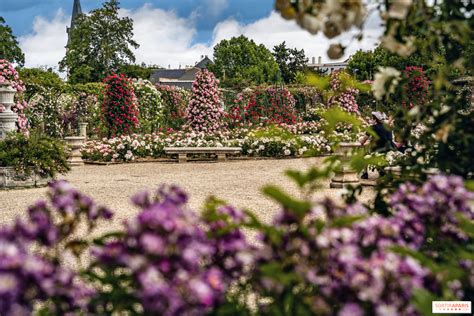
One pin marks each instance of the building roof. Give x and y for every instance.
(203, 63)
(179, 77)
(167, 73)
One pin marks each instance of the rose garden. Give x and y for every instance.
(124, 197)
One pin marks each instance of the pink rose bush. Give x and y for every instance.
(8, 74)
(272, 105)
(416, 88)
(345, 96)
(205, 112)
(316, 258)
(175, 101)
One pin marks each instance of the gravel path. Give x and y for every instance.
(238, 182)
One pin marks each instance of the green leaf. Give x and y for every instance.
(313, 174)
(424, 260)
(104, 238)
(346, 221)
(422, 299)
(466, 225)
(360, 161)
(336, 115)
(275, 271)
(469, 185)
(319, 82)
(298, 177)
(298, 207)
(77, 246)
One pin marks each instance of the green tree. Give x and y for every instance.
(290, 61)
(135, 71)
(364, 64)
(36, 80)
(9, 48)
(99, 44)
(240, 61)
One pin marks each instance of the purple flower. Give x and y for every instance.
(351, 309)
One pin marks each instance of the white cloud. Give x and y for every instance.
(164, 38)
(45, 46)
(167, 39)
(273, 30)
(215, 7)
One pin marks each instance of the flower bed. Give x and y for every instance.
(258, 142)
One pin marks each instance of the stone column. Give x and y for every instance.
(8, 118)
(344, 174)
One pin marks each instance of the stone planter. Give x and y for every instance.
(75, 156)
(344, 175)
(8, 118)
(10, 179)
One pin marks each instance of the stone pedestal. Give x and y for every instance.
(75, 156)
(83, 130)
(344, 174)
(8, 118)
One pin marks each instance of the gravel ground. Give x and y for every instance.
(238, 182)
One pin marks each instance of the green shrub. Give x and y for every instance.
(42, 155)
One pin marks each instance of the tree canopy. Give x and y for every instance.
(364, 64)
(136, 71)
(240, 61)
(100, 43)
(290, 61)
(37, 80)
(9, 48)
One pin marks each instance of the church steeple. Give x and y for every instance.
(76, 11)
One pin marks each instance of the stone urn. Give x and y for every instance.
(8, 118)
(344, 175)
(75, 156)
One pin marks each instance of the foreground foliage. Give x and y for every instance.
(316, 258)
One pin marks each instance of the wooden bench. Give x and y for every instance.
(221, 152)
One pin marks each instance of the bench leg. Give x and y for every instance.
(182, 158)
(221, 157)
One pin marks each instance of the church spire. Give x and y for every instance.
(76, 11)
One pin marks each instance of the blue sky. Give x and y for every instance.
(245, 11)
(171, 33)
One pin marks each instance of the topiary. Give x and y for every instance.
(205, 112)
(119, 109)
